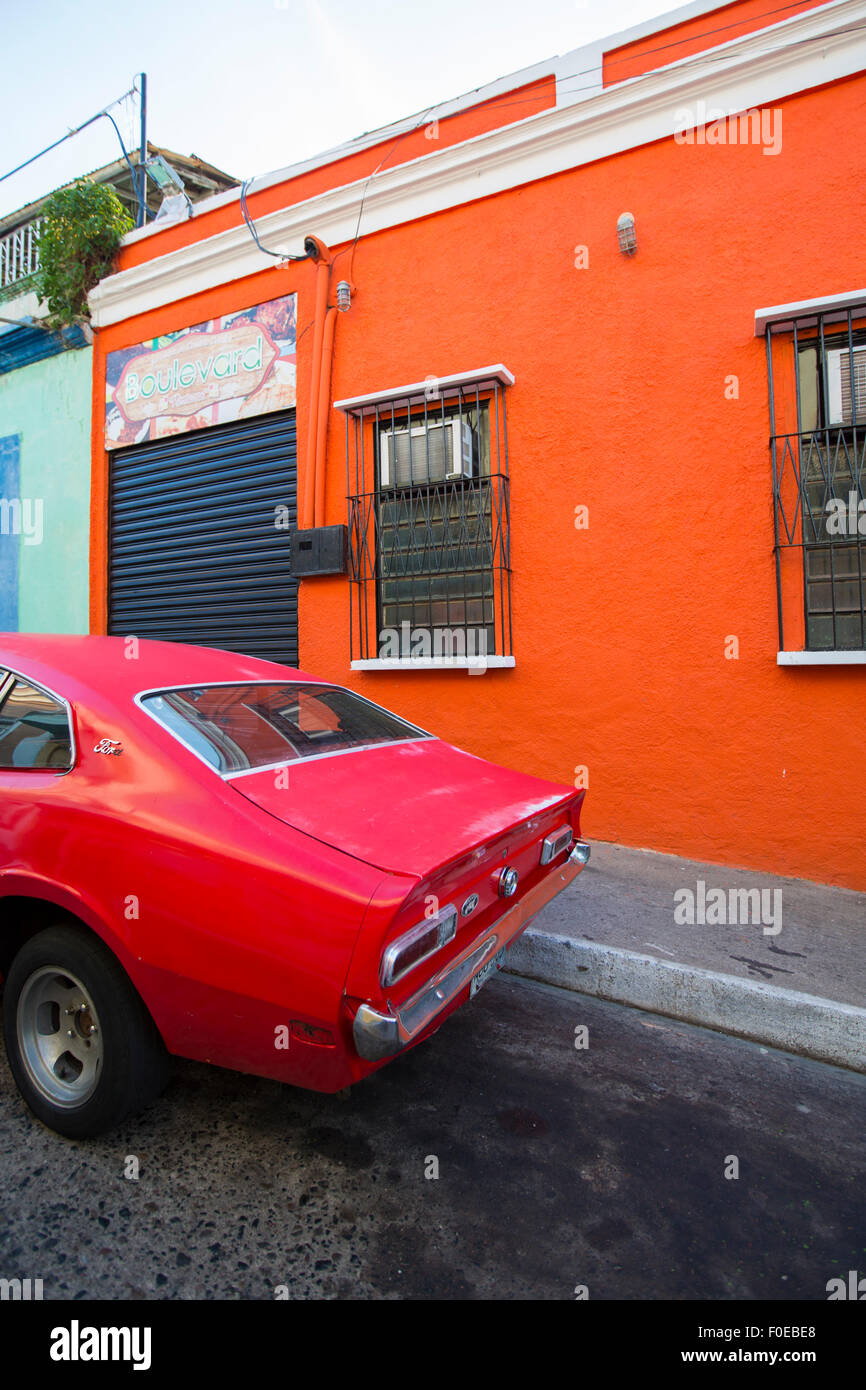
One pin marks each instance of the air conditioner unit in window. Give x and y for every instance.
(435, 453)
(841, 397)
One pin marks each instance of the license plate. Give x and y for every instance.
(495, 963)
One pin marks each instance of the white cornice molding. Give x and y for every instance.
(814, 48)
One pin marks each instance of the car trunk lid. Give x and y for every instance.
(405, 807)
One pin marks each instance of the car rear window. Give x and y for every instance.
(237, 728)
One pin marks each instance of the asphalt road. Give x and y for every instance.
(558, 1167)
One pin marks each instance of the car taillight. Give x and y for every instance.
(417, 944)
(554, 843)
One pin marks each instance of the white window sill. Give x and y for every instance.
(433, 663)
(854, 658)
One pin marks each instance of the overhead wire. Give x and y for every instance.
(105, 112)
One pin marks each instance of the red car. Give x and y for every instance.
(212, 856)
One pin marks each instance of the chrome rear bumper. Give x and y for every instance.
(379, 1035)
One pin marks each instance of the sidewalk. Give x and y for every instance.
(613, 933)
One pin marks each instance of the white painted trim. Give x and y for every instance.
(434, 663)
(659, 23)
(359, 404)
(783, 315)
(821, 658)
(736, 76)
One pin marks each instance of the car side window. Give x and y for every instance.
(34, 730)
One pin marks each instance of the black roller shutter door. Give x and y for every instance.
(194, 552)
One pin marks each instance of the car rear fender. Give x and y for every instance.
(19, 883)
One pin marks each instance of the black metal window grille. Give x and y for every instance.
(817, 375)
(430, 566)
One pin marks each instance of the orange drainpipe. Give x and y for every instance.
(98, 497)
(323, 259)
(323, 413)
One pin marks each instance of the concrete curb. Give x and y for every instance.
(784, 1018)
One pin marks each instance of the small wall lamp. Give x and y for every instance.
(625, 234)
(344, 296)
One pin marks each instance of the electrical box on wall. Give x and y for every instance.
(319, 550)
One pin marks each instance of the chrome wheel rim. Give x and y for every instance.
(59, 1038)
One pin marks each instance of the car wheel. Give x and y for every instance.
(81, 1046)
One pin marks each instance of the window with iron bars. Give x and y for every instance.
(427, 475)
(817, 374)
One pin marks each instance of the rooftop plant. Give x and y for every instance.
(81, 228)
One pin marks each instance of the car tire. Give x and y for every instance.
(82, 1047)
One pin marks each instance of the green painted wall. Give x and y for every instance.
(48, 404)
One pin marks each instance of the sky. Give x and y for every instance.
(254, 85)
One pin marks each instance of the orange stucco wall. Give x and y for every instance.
(696, 35)
(620, 630)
